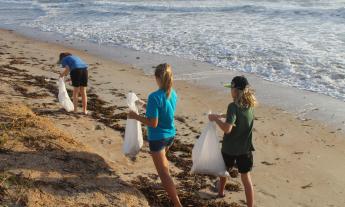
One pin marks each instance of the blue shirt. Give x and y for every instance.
(73, 62)
(163, 108)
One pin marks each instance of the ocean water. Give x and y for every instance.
(300, 43)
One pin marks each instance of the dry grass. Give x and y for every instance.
(19, 123)
(42, 166)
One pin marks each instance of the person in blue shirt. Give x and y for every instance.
(160, 112)
(77, 69)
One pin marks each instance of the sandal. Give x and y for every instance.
(84, 113)
(216, 188)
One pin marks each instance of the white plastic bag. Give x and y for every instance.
(133, 134)
(63, 96)
(206, 153)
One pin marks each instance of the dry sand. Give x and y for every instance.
(297, 162)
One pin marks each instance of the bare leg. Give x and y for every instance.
(248, 188)
(167, 149)
(222, 182)
(84, 99)
(75, 98)
(162, 166)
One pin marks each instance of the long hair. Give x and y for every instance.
(245, 98)
(63, 55)
(164, 73)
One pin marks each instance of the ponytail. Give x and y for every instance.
(164, 73)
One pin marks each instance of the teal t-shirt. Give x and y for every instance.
(163, 108)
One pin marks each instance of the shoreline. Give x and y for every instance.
(302, 103)
(292, 155)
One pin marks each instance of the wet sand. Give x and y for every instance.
(298, 162)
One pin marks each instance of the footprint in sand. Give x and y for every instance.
(274, 134)
(267, 163)
(265, 193)
(307, 186)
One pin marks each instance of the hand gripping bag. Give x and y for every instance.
(206, 153)
(133, 135)
(63, 96)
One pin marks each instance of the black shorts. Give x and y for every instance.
(244, 162)
(79, 77)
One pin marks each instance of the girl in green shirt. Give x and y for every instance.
(237, 143)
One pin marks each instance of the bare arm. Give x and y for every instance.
(225, 127)
(146, 121)
(64, 72)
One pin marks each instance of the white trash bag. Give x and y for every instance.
(206, 154)
(133, 134)
(63, 96)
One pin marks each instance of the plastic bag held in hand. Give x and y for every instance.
(63, 96)
(206, 155)
(133, 134)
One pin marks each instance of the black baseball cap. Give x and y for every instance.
(239, 82)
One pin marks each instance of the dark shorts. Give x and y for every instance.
(79, 77)
(244, 162)
(158, 145)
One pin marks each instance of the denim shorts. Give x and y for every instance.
(158, 145)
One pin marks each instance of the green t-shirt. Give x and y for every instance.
(239, 140)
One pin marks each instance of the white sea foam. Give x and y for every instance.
(297, 43)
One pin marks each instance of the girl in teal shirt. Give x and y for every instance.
(160, 112)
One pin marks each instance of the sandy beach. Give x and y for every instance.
(297, 162)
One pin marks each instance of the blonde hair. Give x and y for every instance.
(245, 98)
(164, 73)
